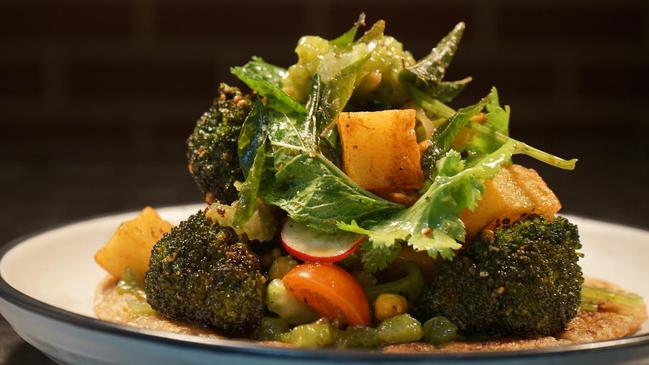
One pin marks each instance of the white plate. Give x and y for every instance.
(48, 281)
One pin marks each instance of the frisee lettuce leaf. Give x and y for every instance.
(266, 80)
(432, 223)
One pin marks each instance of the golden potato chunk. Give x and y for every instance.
(515, 191)
(131, 244)
(545, 202)
(380, 150)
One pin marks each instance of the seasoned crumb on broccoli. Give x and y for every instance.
(522, 279)
(201, 272)
(212, 155)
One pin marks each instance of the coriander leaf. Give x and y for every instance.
(497, 116)
(432, 223)
(524, 148)
(376, 258)
(497, 120)
(266, 79)
(445, 135)
(379, 239)
(437, 108)
(448, 132)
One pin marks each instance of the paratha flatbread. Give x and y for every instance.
(604, 324)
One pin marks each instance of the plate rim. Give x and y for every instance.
(248, 348)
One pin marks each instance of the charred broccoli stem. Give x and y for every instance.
(212, 155)
(201, 272)
(519, 280)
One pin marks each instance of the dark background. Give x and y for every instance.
(97, 97)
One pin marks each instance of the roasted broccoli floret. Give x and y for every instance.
(212, 146)
(200, 272)
(518, 280)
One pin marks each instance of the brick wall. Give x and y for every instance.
(96, 97)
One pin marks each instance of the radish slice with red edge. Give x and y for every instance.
(309, 245)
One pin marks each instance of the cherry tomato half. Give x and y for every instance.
(331, 291)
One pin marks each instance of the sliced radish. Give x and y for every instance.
(308, 244)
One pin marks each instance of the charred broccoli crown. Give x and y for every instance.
(201, 273)
(519, 280)
(212, 146)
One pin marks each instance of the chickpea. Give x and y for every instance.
(281, 266)
(388, 305)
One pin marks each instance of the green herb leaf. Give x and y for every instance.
(256, 162)
(379, 239)
(432, 223)
(454, 125)
(446, 91)
(347, 38)
(524, 148)
(326, 101)
(427, 75)
(309, 187)
(443, 137)
(266, 80)
(431, 105)
(377, 258)
(247, 203)
(375, 32)
(497, 121)
(497, 116)
(437, 108)
(251, 136)
(430, 70)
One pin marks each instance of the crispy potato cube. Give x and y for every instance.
(501, 199)
(131, 244)
(515, 191)
(380, 150)
(545, 202)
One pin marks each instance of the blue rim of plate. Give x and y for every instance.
(249, 348)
